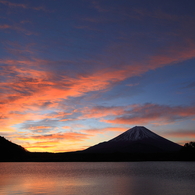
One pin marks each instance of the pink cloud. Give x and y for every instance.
(18, 28)
(5, 26)
(104, 130)
(102, 111)
(182, 134)
(5, 2)
(154, 114)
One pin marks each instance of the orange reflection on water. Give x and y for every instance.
(96, 178)
(59, 178)
(40, 185)
(40, 178)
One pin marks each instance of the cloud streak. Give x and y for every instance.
(154, 114)
(54, 141)
(23, 6)
(104, 130)
(8, 3)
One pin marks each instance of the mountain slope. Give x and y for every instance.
(10, 151)
(136, 140)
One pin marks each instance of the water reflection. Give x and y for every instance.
(97, 178)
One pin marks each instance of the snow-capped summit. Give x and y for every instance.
(135, 133)
(136, 140)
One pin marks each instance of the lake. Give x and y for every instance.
(97, 178)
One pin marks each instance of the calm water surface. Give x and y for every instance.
(126, 178)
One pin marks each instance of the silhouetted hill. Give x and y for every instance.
(10, 151)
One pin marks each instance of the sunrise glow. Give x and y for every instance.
(76, 73)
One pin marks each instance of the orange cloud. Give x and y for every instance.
(12, 118)
(38, 147)
(70, 136)
(21, 65)
(6, 128)
(55, 142)
(66, 127)
(46, 143)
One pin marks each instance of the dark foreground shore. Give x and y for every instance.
(96, 157)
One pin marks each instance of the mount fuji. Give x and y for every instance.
(136, 140)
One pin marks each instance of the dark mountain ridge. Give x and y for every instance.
(136, 140)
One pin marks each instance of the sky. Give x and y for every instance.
(74, 73)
